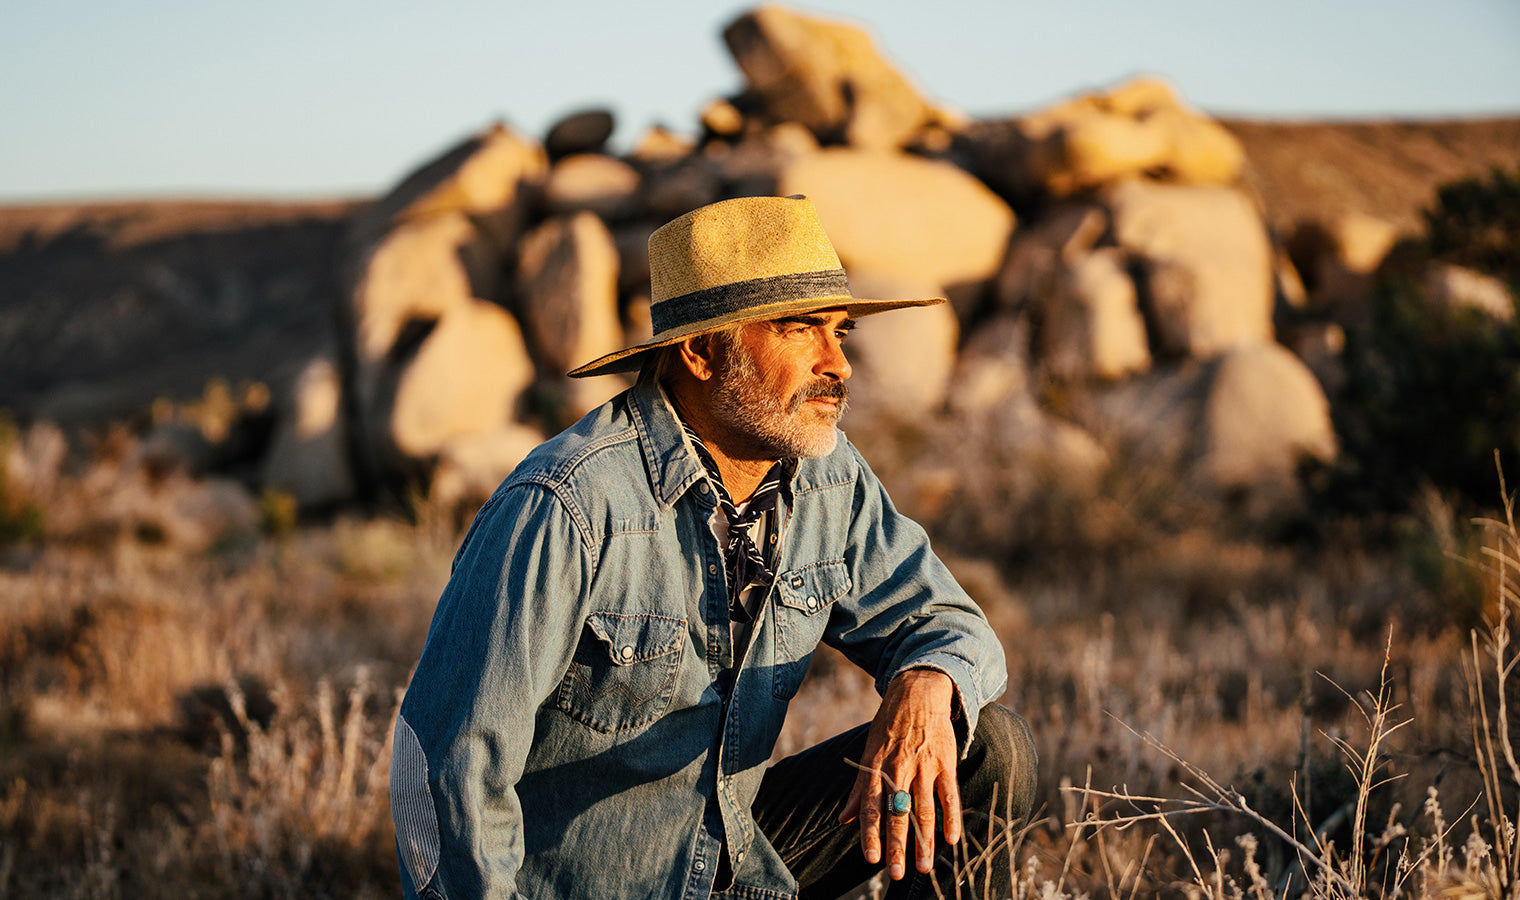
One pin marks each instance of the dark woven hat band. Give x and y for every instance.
(727, 300)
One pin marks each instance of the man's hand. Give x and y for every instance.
(912, 742)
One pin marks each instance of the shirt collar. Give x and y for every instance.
(669, 461)
(669, 457)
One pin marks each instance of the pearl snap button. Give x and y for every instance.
(702, 486)
(699, 865)
(812, 602)
(627, 653)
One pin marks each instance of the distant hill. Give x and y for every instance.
(105, 306)
(1385, 169)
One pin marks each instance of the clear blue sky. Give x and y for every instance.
(293, 98)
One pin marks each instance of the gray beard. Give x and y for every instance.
(772, 426)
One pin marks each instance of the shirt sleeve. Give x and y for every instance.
(501, 638)
(905, 610)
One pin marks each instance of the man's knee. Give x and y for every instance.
(1003, 764)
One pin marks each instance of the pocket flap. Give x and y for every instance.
(636, 639)
(812, 588)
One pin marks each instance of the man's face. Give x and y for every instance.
(781, 384)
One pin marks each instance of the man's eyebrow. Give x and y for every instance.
(814, 320)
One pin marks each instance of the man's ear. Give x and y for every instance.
(698, 356)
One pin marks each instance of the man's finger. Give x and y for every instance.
(949, 790)
(870, 819)
(923, 818)
(897, 834)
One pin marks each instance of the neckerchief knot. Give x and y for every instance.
(744, 562)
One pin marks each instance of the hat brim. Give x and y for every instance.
(631, 358)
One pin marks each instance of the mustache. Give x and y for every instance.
(822, 389)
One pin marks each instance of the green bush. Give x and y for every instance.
(1476, 223)
(1431, 393)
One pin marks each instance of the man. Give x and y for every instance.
(632, 610)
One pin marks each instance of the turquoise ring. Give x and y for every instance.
(900, 804)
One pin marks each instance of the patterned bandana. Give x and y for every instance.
(745, 563)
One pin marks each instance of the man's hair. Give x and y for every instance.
(658, 364)
(662, 362)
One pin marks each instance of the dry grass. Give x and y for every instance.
(1216, 716)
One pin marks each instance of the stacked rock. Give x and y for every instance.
(467, 291)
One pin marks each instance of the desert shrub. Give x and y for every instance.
(21, 517)
(1432, 391)
(1430, 394)
(1476, 223)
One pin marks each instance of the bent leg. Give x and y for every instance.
(802, 796)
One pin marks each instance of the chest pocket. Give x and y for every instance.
(623, 674)
(804, 598)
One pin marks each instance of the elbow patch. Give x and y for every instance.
(412, 809)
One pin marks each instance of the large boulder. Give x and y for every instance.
(1140, 128)
(631, 239)
(672, 188)
(413, 277)
(420, 270)
(992, 367)
(1091, 327)
(585, 131)
(1265, 413)
(721, 118)
(465, 379)
(1234, 428)
(1042, 248)
(1206, 263)
(490, 176)
(896, 216)
(430, 247)
(1338, 258)
(567, 299)
(753, 166)
(660, 144)
(601, 184)
(308, 456)
(828, 76)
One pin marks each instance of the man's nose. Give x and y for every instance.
(833, 363)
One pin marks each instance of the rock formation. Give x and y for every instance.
(1115, 291)
(1141, 262)
(827, 76)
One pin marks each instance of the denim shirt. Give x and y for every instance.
(578, 726)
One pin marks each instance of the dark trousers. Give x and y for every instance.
(801, 797)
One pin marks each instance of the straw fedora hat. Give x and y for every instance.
(745, 260)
